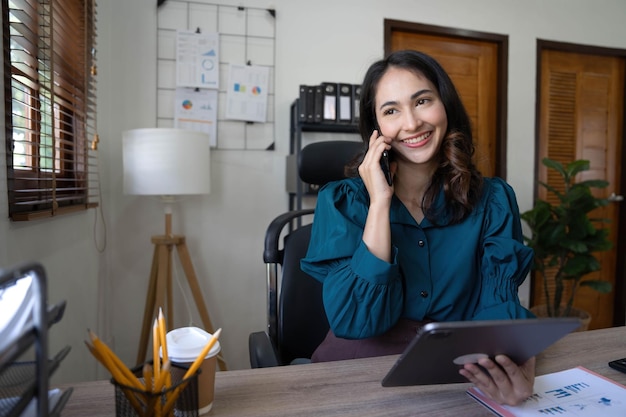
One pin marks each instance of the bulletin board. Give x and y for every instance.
(246, 37)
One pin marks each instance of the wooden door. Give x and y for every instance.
(473, 66)
(580, 117)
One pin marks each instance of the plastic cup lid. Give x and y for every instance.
(186, 343)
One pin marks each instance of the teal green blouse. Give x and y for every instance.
(465, 271)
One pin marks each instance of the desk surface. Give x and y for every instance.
(353, 388)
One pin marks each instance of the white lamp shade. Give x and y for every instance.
(161, 161)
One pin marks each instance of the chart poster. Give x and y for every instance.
(246, 97)
(197, 59)
(197, 110)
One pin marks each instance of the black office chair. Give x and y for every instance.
(297, 322)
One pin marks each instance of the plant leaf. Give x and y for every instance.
(577, 166)
(594, 183)
(603, 287)
(556, 165)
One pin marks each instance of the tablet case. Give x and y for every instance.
(439, 350)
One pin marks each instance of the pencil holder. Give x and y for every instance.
(181, 396)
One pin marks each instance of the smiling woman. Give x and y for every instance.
(50, 85)
(441, 243)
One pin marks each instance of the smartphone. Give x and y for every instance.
(619, 364)
(384, 164)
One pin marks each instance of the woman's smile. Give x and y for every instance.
(419, 140)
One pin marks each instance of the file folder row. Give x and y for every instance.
(329, 102)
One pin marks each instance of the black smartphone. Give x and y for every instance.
(384, 161)
(384, 164)
(619, 364)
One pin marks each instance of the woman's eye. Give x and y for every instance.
(421, 101)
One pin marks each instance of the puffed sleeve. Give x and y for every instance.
(362, 294)
(505, 261)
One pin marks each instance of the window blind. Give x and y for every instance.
(50, 99)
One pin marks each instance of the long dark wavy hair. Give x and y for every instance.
(456, 173)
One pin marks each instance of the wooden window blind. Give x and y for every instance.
(50, 99)
(562, 124)
(560, 119)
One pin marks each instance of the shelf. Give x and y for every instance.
(296, 189)
(28, 338)
(18, 385)
(328, 127)
(18, 407)
(24, 385)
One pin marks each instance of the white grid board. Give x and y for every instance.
(247, 36)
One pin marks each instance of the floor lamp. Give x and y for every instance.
(167, 163)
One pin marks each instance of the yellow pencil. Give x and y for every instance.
(161, 382)
(163, 333)
(114, 361)
(114, 371)
(159, 385)
(157, 388)
(147, 376)
(156, 362)
(150, 399)
(163, 339)
(117, 376)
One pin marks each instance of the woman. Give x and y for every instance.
(441, 243)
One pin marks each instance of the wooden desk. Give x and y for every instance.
(352, 388)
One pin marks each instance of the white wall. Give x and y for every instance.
(106, 291)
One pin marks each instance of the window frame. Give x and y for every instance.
(50, 100)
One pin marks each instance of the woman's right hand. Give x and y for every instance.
(377, 231)
(371, 172)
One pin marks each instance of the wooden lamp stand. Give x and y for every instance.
(160, 287)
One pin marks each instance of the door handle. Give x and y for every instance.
(615, 198)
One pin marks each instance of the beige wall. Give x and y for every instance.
(316, 41)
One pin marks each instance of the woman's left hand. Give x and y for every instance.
(504, 382)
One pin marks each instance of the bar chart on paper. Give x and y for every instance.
(576, 392)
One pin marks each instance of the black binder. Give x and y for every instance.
(344, 102)
(330, 102)
(356, 100)
(302, 103)
(319, 104)
(310, 103)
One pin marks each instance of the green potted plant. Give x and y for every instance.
(565, 237)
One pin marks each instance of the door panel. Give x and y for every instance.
(581, 108)
(473, 67)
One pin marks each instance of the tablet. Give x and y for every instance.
(439, 350)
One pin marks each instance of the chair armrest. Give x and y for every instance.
(262, 353)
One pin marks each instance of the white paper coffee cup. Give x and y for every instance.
(183, 347)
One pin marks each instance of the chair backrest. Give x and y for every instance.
(301, 317)
(300, 324)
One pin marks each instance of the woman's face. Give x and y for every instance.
(411, 113)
